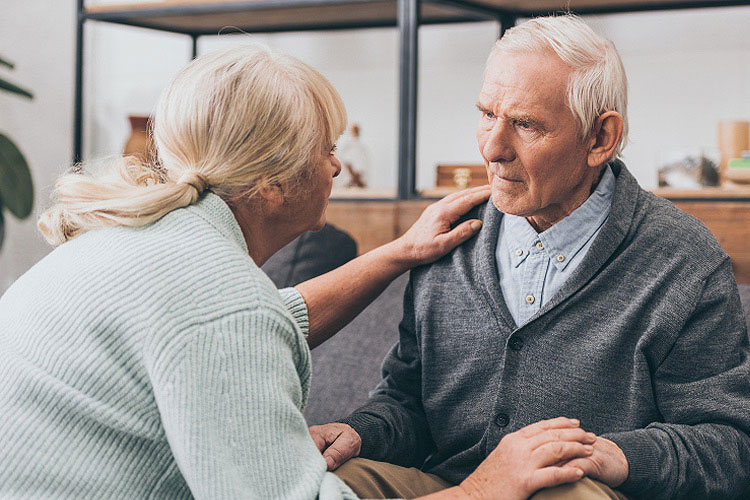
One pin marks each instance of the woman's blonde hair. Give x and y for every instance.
(598, 83)
(228, 122)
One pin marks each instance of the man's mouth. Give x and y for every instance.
(508, 179)
(503, 176)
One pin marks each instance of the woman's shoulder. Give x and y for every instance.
(183, 265)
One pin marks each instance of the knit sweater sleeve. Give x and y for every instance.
(702, 448)
(297, 307)
(392, 424)
(229, 393)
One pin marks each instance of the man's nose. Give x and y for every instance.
(497, 145)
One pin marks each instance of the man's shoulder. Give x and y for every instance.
(662, 223)
(459, 261)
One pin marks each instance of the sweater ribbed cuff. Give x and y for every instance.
(368, 428)
(297, 308)
(644, 462)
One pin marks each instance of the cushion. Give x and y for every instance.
(310, 255)
(346, 367)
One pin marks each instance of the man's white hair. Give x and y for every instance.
(598, 83)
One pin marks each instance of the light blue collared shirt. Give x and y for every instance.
(533, 266)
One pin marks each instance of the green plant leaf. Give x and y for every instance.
(16, 188)
(15, 89)
(5, 62)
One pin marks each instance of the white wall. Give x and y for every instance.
(39, 36)
(687, 71)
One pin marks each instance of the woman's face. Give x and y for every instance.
(312, 208)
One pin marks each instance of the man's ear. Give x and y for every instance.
(605, 138)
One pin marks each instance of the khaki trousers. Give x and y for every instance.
(371, 479)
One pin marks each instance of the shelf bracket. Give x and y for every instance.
(194, 38)
(78, 104)
(408, 27)
(507, 21)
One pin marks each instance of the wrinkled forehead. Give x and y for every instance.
(531, 79)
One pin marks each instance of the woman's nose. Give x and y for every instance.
(336, 164)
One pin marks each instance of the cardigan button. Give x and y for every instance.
(502, 420)
(516, 343)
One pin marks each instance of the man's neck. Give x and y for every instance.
(555, 213)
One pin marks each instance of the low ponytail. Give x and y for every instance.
(127, 193)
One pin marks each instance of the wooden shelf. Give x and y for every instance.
(211, 17)
(729, 192)
(362, 194)
(525, 8)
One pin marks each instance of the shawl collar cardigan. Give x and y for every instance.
(645, 343)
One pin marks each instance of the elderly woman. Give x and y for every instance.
(148, 356)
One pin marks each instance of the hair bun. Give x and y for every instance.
(195, 179)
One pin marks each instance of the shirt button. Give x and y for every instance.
(560, 258)
(519, 252)
(539, 245)
(530, 299)
(516, 343)
(502, 420)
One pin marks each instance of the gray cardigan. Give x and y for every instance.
(645, 343)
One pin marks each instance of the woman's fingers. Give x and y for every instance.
(431, 236)
(457, 204)
(458, 194)
(460, 233)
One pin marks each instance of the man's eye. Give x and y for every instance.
(524, 125)
(488, 114)
(333, 149)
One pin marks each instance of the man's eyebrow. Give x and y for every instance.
(481, 107)
(524, 117)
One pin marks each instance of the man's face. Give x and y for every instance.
(528, 137)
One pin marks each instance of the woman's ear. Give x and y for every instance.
(273, 194)
(605, 139)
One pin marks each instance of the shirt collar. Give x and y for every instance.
(211, 208)
(520, 237)
(565, 239)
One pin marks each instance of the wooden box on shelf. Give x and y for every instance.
(461, 176)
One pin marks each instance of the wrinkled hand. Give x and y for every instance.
(337, 442)
(607, 464)
(431, 236)
(530, 459)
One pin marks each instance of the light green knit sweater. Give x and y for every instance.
(156, 362)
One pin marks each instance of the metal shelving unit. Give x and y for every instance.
(197, 18)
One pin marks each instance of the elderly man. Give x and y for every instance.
(583, 296)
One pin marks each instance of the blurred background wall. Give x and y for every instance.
(39, 37)
(687, 70)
